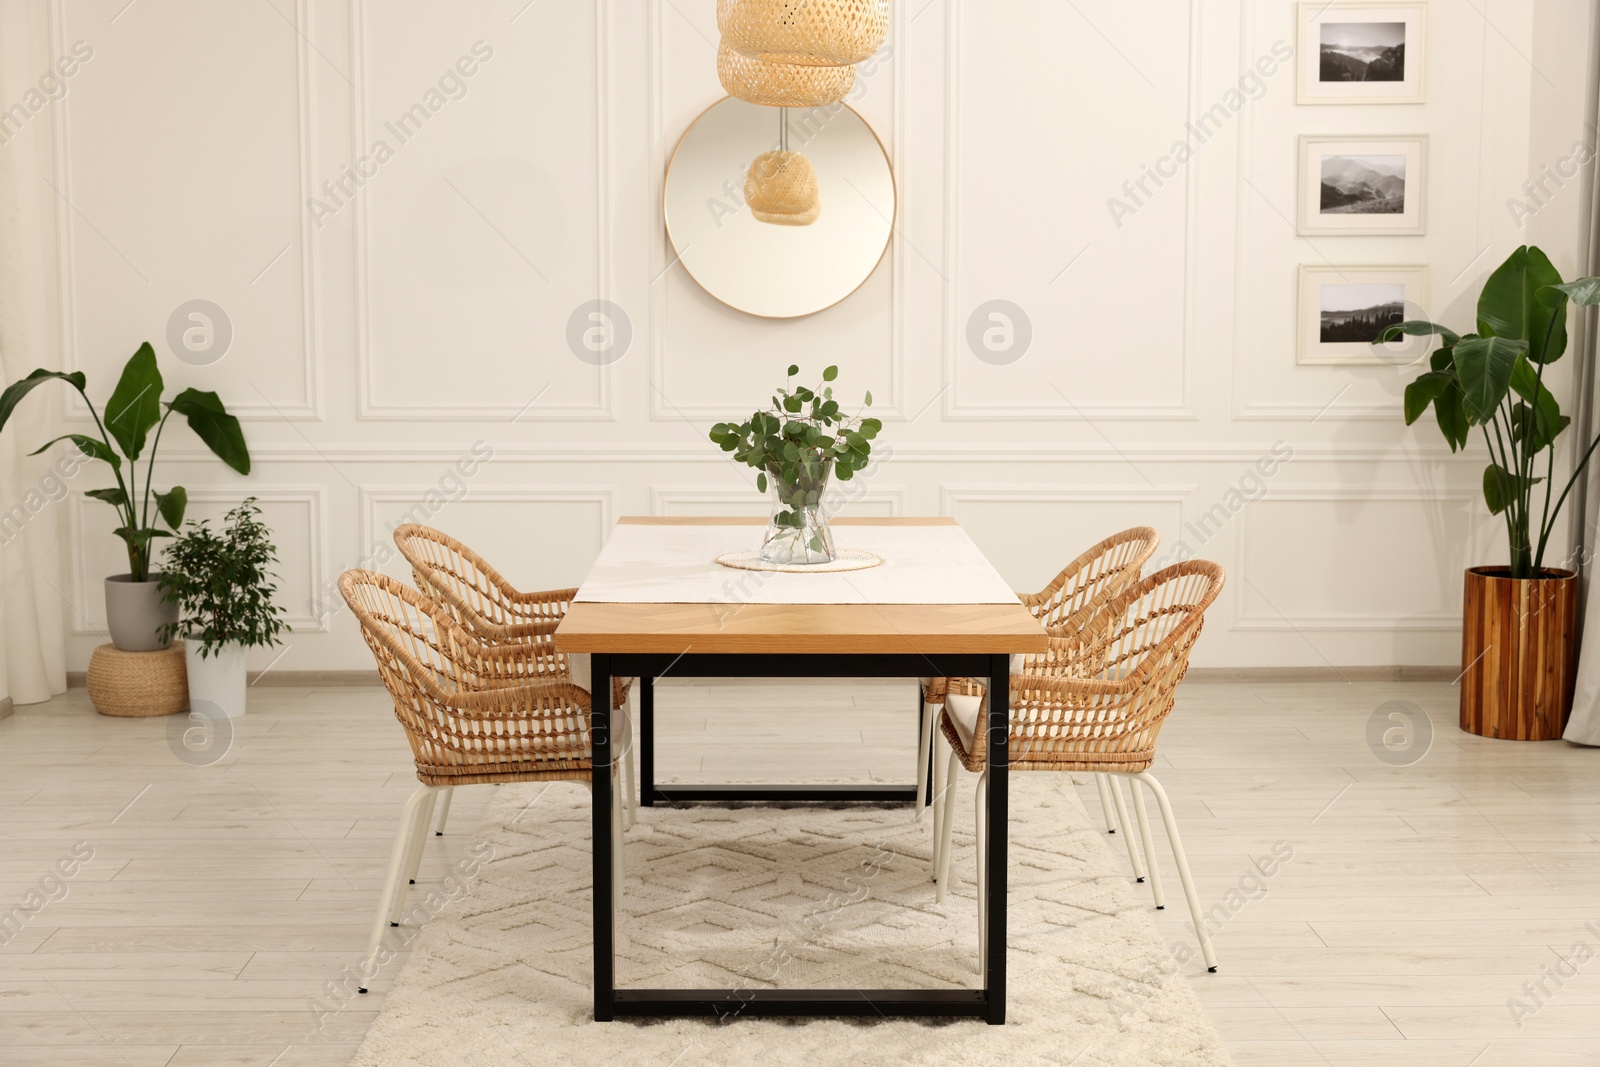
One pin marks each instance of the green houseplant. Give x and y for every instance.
(134, 608)
(222, 584)
(795, 446)
(1519, 625)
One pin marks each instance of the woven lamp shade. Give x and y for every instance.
(781, 84)
(824, 33)
(781, 188)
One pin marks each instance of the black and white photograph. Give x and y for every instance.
(1363, 185)
(1343, 309)
(1361, 53)
(1370, 185)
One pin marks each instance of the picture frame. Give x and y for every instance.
(1340, 304)
(1363, 186)
(1362, 52)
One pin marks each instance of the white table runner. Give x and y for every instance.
(652, 564)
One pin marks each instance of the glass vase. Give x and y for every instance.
(798, 531)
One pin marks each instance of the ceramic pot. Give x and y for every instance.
(216, 680)
(135, 613)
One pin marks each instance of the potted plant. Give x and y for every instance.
(1518, 644)
(795, 446)
(135, 612)
(222, 586)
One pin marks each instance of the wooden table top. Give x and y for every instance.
(799, 628)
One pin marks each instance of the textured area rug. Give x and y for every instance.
(796, 896)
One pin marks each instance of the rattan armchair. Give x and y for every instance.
(1065, 606)
(1106, 723)
(493, 610)
(473, 713)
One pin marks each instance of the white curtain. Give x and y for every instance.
(32, 606)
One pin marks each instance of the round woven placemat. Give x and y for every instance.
(138, 685)
(851, 559)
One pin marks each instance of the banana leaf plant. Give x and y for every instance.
(1493, 380)
(134, 409)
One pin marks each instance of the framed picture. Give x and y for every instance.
(1343, 308)
(1362, 53)
(1374, 185)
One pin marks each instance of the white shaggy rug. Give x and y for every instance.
(794, 896)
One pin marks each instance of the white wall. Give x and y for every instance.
(375, 344)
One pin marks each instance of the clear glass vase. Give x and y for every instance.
(798, 531)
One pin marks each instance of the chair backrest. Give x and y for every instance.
(1092, 579)
(1141, 642)
(462, 704)
(477, 595)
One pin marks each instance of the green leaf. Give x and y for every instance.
(92, 447)
(791, 404)
(761, 482)
(17, 390)
(1417, 328)
(1501, 488)
(1424, 390)
(1450, 412)
(1483, 366)
(1549, 421)
(793, 369)
(1585, 291)
(135, 403)
(212, 424)
(1443, 358)
(113, 496)
(869, 398)
(1509, 306)
(830, 373)
(171, 504)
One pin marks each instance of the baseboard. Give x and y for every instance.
(1394, 673)
(274, 679)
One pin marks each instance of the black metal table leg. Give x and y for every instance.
(647, 741)
(997, 761)
(605, 911)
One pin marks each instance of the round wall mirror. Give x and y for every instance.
(777, 270)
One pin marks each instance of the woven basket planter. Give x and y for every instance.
(138, 685)
(781, 84)
(827, 33)
(781, 188)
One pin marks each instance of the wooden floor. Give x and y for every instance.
(225, 900)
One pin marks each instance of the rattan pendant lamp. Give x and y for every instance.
(781, 186)
(757, 81)
(820, 33)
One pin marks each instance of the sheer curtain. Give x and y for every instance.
(1584, 726)
(32, 491)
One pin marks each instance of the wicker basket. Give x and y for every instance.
(138, 685)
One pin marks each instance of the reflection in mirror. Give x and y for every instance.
(779, 212)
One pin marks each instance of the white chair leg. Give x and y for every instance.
(397, 858)
(946, 823)
(1105, 802)
(444, 811)
(1127, 837)
(1182, 860)
(980, 803)
(924, 763)
(1149, 848)
(940, 784)
(419, 835)
(630, 802)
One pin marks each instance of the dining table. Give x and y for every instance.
(657, 604)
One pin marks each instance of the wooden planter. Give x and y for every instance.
(1518, 653)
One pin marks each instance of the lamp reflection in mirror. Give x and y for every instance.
(781, 186)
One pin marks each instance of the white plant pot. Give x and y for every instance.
(216, 680)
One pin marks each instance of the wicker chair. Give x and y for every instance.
(494, 611)
(1064, 606)
(1107, 723)
(474, 714)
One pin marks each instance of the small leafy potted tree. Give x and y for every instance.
(222, 586)
(795, 446)
(1519, 627)
(135, 612)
